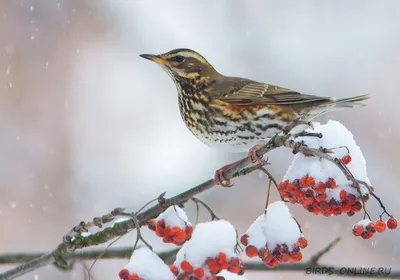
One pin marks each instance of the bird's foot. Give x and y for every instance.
(253, 157)
(219, 178)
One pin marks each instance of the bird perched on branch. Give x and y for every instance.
(236, 114)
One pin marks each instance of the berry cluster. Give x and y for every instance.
(209, 270)
(209, 252)
(326, 198)
(124, 275)
(275, 237)
(280, 254)
(172, 226)
(366, 229)
(144, 264)
(174, 234)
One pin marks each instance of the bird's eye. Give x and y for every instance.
(178, 58)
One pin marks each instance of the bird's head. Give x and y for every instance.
(183, 64)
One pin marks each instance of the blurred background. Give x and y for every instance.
(86, 125)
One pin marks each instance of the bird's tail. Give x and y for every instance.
(350, 102)
(333, 104)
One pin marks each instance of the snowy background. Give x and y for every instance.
(87, 125)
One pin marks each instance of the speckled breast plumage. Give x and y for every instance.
(227, 127)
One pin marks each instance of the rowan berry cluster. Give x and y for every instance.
(124, 275)
(209, 252)
(281, 254)
(172, 226)
(366, 229)
(326, 198)
(275, 237)
(144, 264)
(209, 270)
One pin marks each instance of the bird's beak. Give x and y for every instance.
(155, 58)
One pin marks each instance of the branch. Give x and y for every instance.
(125, 252)
(73, 240)
(64, 250)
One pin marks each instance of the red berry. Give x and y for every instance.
(124, 274)
(161, 224)
(244, 239)
(331, 183)
(343, 194)
(380, 226)
(392, 223)
(222, 257)
(251, 251)
(189, 231)
(265, 255)
(311, 182)
(234, 269)
(346, 207)
(272, 263)
(174, 269)
(303, 182)
(214, 268)
(324, 206)
(350, 199)
(167, 231)
(367, 235)
(356, 207)
(199, 272)
(346, 159)
(152, 225)
(186, 267)
(357, 229)
(284, 258)
(370, 228)
(302, 242)
(320, 187)
(350, 213)
(291, 188)
(297, 257)
(178, 235)
(167, 239)
(320, 197)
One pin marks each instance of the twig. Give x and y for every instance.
(268, 195)
(72, 242)
(125, 252)
(138, 232)
(315, 258)
(271, 178)
(208, 208)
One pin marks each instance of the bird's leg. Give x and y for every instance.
(253, 157)
(219, 178)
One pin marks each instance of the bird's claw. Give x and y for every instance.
(253, 157)
(219, 178)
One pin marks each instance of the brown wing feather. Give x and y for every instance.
(248, 92)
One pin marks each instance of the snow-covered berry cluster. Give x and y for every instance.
(318, 184)
(145, 265)
(326, 198)
(366, 229)
(172, 225)
(275, 237)
(210, 251)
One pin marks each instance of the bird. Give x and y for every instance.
(236, 114)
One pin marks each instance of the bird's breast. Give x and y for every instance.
(229, 127)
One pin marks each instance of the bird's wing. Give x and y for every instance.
(246, 92)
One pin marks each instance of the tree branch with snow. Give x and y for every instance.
(327, 177)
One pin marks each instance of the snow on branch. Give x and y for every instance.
(174, 227)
